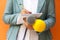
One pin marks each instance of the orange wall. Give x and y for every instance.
(4, 27)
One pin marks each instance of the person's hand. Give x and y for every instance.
(24, 11)
(27, 25)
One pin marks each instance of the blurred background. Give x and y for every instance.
(55, 30)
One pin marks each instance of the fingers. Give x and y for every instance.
(28, 26)
(24, 11)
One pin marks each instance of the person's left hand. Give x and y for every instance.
(27, 25)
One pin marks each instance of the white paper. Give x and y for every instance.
(20, 17)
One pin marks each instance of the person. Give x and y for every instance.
(15, 7)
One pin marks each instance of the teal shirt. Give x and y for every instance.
(13, 9)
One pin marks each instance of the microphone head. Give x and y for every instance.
(31, 19)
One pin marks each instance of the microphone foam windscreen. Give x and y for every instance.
(31, 19)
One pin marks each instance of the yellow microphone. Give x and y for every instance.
(37, 24)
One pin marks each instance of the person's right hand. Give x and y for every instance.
(24, 11)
